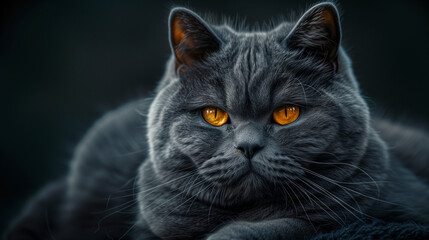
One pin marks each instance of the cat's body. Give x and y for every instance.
(163, 172)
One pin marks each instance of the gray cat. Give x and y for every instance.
(250, 135)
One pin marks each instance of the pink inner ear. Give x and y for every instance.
(182, 44)
(178, 34)
(329, 21)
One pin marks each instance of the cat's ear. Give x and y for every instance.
(318, 31)
(191, 39)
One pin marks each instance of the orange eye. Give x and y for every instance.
(215, 116)
(286, 114)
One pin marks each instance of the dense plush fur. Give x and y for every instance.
(162, 171)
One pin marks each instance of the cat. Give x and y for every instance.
(249, 135)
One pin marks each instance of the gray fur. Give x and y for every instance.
(188, 181)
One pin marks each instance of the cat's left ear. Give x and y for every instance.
(191, 39)
(318, 31)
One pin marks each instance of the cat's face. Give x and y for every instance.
(217, 115)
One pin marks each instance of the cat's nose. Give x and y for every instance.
(249, 139)
(249, 149)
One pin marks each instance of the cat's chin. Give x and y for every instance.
(249, 187)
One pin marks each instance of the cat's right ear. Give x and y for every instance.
(191, 39)
(318, 31)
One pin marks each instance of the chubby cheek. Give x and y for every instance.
(309, 137)
(195, 140)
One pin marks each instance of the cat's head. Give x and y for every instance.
(243, 111)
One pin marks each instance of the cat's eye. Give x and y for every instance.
(286, 114)
(215, 116)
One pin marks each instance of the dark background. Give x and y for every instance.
(64, 64)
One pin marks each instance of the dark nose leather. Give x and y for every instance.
(249, 139)
(249, 149)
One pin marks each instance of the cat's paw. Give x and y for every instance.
(236, 231)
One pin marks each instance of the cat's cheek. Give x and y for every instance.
(195, 140)
(307, 138)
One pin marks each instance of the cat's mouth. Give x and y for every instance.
(251, 173)
(248, 175)
(241, 179)
(249, 181)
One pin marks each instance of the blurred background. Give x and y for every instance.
(64, 64)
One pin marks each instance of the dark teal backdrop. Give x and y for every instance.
(64, 64)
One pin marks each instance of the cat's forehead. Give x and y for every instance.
(252, 74)
(246, 77)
